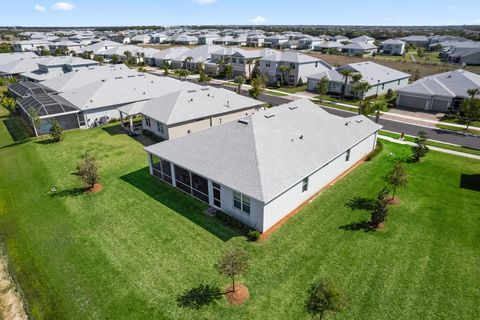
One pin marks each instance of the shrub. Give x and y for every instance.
(87, 171)
(233, 223)
(300, 82)
(253, 235)
(56, 130)
(375, 151)
(324, 298)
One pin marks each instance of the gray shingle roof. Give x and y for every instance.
(375, 73)
(266, 153)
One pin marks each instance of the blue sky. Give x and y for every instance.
(191, 12)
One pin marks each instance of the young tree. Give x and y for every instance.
(420, 148)
(380, 212)
(240, 81)
(233, 263)
(228, 71)
(397, 177)
(359, 88)
(87, 171)
(182, 73)
(127, 55)
(115, 59)
(324, 297)
(256, 87)
(470, 111)
(421, 52)
(375, 108)
(99, 59)
(322, 87)
(284, 69)
(56, 130)
(356, 77)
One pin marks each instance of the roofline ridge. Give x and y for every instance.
(257, 160)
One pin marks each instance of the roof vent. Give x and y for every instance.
(191, 100)
(359, 120)
(269, 115)
(204, 89)
(292, 107)
(228, 104)
(243, 121)
(301, 137)
(190, 91)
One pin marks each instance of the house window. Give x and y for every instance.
(292, 65)
(241, 202)
(292, 78)
(347, 156)
(267, 64)
(147, 122)
(241, 61)
(159, 127)
(305, 184)
(216, 194)
(316, 64)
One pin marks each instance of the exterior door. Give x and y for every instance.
(217, 202)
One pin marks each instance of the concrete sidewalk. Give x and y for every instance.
(457, 153)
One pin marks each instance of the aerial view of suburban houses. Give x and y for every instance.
(204, 159)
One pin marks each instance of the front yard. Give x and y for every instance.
(130, 250)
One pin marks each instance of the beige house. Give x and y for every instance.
(187, 111)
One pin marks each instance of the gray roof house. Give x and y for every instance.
(234, 167)
(359, 49)
(14, 56)
(363, 39)
(393, 47)
(300, 66)
(438, 92)
(379, 77)
(190, 110)
(51, 67)
(168, 54)
(196, 55)
(419, 41)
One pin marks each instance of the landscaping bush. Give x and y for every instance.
(253, 235)
(233, 223)
(375, 151)
(151, 135)
(300, 82)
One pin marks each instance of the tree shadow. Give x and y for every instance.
(45, 141)
(73, 192)
(358, 226)
(198, 297)
(15, 128)
(470, 181)
(140, 138)
(361, 203)
(179, 202)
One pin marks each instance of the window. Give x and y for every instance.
(160, 127)
(347, 156)
(305, 184)
(267, 64)
(241, 61)
(147, 121)
(316, 64)
(292, 65)
(292, 78)
(241, 202)
(216, 194)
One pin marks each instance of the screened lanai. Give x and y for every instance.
(24, 89)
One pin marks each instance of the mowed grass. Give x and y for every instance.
(130, 250)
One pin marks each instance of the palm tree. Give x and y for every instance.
(346, 73)
(376, 107)
(473, 92)
(127, 54)
(359, 89)
(240, 81)
(187, 61)
(322, 87)
(283, 69)
(356, 77)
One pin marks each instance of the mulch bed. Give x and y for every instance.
(97, 187)
(238, 297)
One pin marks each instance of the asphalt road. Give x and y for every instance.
(409, 129)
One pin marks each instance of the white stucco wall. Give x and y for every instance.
(281, 206)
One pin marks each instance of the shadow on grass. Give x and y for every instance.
(360, 203)
(358, 226)
(117, 129)
(45, 141)
(73, 192)
(198, 297)
(470, 181)
(179, 202)
(16, 128)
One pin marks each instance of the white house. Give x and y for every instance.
(262, 167)
(359, 49)
(393, 47)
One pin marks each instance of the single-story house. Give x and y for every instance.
(51, 67)
(379, 77)
(168, 54)
(235, 167)
(363, 39)
(393, 47)
(187, 111)
(419, 41)
(208, 38)
(359, 49)
(438, 92)
(327, 46)
(468, 57)
(189, 59)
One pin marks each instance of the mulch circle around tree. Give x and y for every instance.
(97, 187)
(238, 297)
(395, 201)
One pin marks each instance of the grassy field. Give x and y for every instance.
(130, 250)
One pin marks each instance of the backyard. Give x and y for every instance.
(130, 250)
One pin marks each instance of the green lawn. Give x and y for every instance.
(130, 250)
(290, 89)
(457, 121)
(461, 129)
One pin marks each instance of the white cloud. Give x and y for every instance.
(64, 6)
(204, 2)
(39, 8)
(258, 20)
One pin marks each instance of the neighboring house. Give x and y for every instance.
(140, 38)
(65, 46)
(98, 48)
(51, 67)
(208, 38)
(379, 77)
(185, 40)
(309, 42)
(190, 59)
(256, 40)
(327, 46)
(159, 38)
(439, 92)
(235, 167)
(418, 41)
(34, 45)
(15, 56)
(393, 47)
(339, 38)
(468, 57)
(187, 111)
(231, 41)
(275, 41)
(363, 39)
(298, 65)
(122, 38)
(168, 54)
(359, 49)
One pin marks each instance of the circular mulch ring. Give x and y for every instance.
(97, 187)
(394, 201)
(240, 295)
